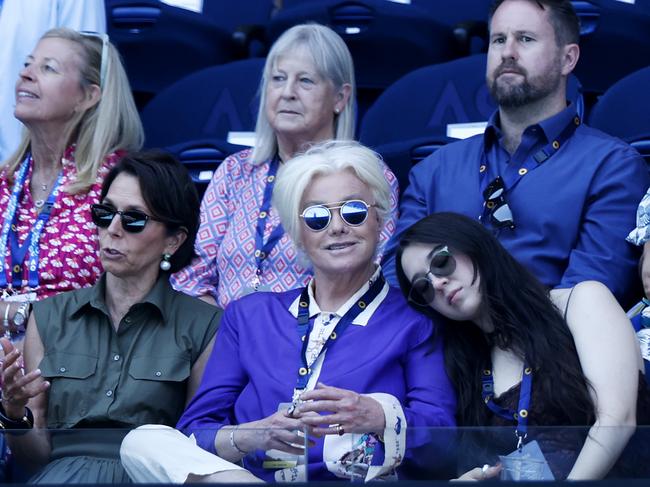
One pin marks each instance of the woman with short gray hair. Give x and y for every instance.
(307, 96)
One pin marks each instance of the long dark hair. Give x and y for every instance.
(524, 318)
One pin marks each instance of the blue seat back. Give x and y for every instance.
(206, 104)
(614, 42)
(192, 117)
(160, 43)
(230, 15)
(624, 111)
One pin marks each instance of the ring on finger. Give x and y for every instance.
(484, 470)
(340, 430)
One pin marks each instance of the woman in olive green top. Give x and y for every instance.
(126, 352)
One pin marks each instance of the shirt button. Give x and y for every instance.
(116, 357)
(158, 373)
(62, 369)
(109, 393)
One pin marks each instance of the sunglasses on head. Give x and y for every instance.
(133, 221)
(442, 264)
(353, 213)
(495, 202)
(104, 60)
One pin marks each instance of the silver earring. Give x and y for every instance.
(336, 110)
(165, 265)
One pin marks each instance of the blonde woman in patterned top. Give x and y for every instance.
(74, 100)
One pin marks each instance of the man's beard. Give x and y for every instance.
(515, 95)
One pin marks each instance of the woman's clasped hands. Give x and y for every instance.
(322, 411)
(330, 410)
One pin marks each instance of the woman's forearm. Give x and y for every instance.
(32, 449)
(227, 443)
(601, 449)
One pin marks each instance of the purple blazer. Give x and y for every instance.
(254, 363)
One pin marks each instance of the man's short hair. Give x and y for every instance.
(563, 18)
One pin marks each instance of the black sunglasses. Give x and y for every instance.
(442, 264)
(495, 202)
(133, 221)
(353, 213)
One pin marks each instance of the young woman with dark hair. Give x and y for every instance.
(576, 349)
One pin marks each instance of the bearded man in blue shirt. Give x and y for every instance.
(560, 196)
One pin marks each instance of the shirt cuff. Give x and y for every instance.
(394, 435)
(639, 235)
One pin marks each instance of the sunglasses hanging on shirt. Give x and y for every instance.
(495, 202)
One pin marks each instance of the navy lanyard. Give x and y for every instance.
(523, 407)
(304, 371)
(512, 174)
(262, 250)
(31, 244)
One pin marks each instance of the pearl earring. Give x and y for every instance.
(165, 265)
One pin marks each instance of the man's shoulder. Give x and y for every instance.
(591, 139)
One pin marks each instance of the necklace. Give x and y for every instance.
(38, 203)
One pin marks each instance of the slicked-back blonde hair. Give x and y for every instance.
(329, 157)
(111, 124)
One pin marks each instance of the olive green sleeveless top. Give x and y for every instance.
(136, 375)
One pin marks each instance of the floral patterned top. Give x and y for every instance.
(225, 243)
(69, 250)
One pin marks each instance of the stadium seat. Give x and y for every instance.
(409, 120)
(230, 15)
(246, 20)
(624, 111)
(615, 41)
(193, 117)
(386, 39)
(160, 43)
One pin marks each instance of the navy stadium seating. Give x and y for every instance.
(192, 117)
(160, 43)
(624, 111)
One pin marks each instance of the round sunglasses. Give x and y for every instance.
(133, 221)
(353, 213)
(442, 264)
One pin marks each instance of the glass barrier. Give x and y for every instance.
(157, 454)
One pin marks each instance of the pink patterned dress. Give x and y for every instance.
(68, 247)
(225, 243)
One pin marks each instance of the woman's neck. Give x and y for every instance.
(47, 154)
(289, 147)
(332, 291)
(121, 294)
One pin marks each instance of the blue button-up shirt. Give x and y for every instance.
(572, 212)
